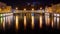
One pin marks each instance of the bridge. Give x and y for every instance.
(12, 12)
(26, 11)
(49, 18)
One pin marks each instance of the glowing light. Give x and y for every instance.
(0, 9)
(17, 22)
(47, 19)
(32, 22)
(9, 22)
(52, 23)
(58, 15)
(1, 18)
(32, 9)
(24, 9)
(57, 20)
(25, 22)
(16, 8)
(4, 24)
(40, 7)
(40, 21)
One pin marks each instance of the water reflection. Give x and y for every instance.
(24, 22)
(40, 21)
(8, 21)
(57, 20)
(16, 22)
(53, 21)
(32, 22)
(4, 23)
(1, 18)
(47, 19)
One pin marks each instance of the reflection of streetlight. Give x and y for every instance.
(32, 19)
(16, 8)
(40, 8)
(32, 9)
(17, 22)
(24, 19)
(24, 9)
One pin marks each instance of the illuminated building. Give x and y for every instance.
(56, 8)
(4, 7)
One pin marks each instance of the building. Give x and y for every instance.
(56, 8)
(4, 8)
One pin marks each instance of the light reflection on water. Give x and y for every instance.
(16, 22)
(24, 22)
(1, 18)
(55, 21)
(4, 23)
(52, 24)
(47, 19)
(58, 20)
(32, 22)
(40, 21)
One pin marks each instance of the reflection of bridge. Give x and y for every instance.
(50, 19)
(22, 11)
(26, 11)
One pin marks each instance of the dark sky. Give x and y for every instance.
(25, 2)
(10, 2)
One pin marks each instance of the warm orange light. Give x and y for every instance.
(17, 22)
(47, 19)
(32, 22)
(24, 9)
(52, 24)
(16, 8)
(4, 24)
(0, 9)
(25, 22)
(48, 9)
(32, 9)
(40, 21)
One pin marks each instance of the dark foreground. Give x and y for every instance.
(30, 31)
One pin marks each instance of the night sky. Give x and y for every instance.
(26, 2)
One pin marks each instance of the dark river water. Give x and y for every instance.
(29, 23)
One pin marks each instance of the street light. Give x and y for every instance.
(40, 8)
(32, 9)
(24, 9)
(16, 8)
